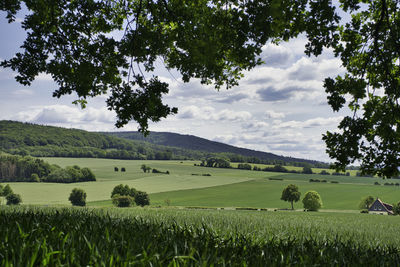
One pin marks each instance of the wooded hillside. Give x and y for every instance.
(49, 141)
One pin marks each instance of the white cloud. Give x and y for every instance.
(209, 113)
(23, 92)
(274, 115)
(315, 122)
(44, 77)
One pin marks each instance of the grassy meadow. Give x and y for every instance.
(224, 188)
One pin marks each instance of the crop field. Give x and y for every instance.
(167, 234)
(173, 237)
(186, 186)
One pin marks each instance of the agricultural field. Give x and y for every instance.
(173, 237)
(191, 221)
(224, 188)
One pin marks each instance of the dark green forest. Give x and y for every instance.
(28, 169)
(48, 141)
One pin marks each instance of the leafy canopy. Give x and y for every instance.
(77, 197)
(312, 201)
(291, 193)
(215, 41)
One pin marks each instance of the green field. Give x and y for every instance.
(224, 188)
(38, 236)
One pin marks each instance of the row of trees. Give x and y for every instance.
(121, 195)
(312, 200)
(216, 162)
(28, 169)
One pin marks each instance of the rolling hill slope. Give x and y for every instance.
(49, 141)
(200, 144)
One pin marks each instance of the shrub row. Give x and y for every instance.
(317, 181)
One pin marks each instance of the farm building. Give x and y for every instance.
(378, 207)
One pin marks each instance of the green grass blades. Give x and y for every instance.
(81, 237)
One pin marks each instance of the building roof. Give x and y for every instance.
(385, 207)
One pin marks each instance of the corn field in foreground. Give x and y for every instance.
(80, 237)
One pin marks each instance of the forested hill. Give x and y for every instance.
(191, 142)
(48, 141)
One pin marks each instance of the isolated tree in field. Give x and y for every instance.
(307, 170)
(291, 194)
(13, 199)
(142, 198)
(145, 168)
(77, 197)
(312, 201)
(366, 202)
(71, 42)
(115, 169)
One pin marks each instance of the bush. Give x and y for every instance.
(123, 190)
(324, 172)
(123, 169)
(78, 197)
(142, 198)
(157, 171)
(364, 211)
(376, 183)
(115, 169)
(312, 201)
(6, 191)
(334, 182)
(396, 209)
(35, 177)
(122, 201)
(13, 199)
(366, 202)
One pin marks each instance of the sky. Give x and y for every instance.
(278, 107)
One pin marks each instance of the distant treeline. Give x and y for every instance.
(28, 169)
(225, 163)
(234, 154)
